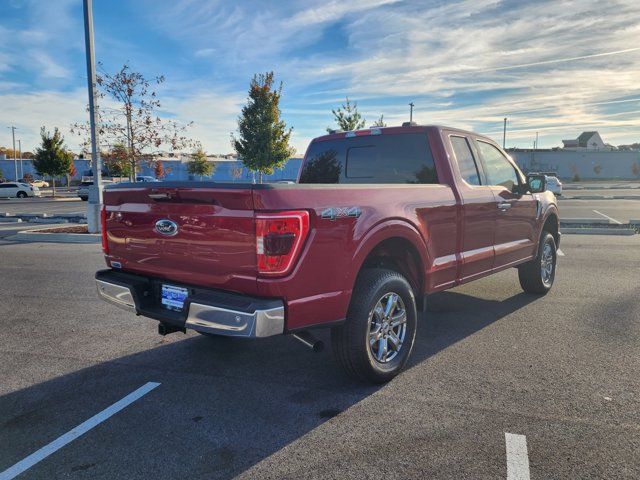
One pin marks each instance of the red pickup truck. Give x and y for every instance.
(379, 219)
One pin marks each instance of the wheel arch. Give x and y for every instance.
(551, 224)
(397, 246)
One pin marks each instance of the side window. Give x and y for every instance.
(466, 162)
(499, 169)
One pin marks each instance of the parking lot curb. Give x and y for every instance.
(38, 236)
(598, 231)
(10, 220)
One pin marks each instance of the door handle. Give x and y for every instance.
(504, 206)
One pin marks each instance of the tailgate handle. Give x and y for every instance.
(159, 196)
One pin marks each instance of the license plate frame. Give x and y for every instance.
(172, 297)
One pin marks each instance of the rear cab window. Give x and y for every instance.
(392, 159)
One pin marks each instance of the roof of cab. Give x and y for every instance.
(391, 131)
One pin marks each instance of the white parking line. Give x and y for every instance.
(71, 435)
(560, 253)
(517, 457)
(607, 216)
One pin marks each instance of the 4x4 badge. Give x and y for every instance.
(332, 213)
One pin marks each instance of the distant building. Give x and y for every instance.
(586, 141)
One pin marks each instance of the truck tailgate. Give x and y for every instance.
(206, 234)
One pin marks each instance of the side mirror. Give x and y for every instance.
(536, 183)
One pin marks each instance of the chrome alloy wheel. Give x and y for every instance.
(387, 327)
(547, 264)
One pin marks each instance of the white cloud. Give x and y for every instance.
(549, 66)
(213, 114)
(48, 109)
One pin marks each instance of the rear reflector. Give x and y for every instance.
(103, 229)
(279, 239)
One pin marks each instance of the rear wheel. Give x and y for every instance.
(22, 194)
(375, 342)
(537, 275)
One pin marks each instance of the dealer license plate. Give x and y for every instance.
(173, 297)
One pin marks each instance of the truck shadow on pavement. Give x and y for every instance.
(223, 404)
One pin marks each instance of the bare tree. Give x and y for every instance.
(134, 123)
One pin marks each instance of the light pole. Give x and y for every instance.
(15, 160)
(95, 191)
(411, 105)
(20, 151)
(504, 133)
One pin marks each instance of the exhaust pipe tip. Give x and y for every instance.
(310, 341)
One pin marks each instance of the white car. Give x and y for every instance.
(554, 185)
(18, 190)
(40, 184)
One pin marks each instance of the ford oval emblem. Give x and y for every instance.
(166, 227)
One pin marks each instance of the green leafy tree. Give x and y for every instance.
(263, 138)
(51, 157)
(199, 164)
(347, 117)
(379, 122)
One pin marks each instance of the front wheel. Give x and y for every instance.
(376, 340)
(537, 275)
(22, 195)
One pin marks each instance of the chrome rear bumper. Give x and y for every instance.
(116, 294)
(206, 311)
(221, 321)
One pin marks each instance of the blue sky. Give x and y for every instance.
(553, 67)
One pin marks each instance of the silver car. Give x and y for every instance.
(83, 189)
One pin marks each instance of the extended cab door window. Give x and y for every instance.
(478, 211)
(466, 163)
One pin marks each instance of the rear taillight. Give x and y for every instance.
(103, 229)
(279, 238)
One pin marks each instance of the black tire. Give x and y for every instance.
(21, 195)
(84, 199)
(350, 341)
(531, 276)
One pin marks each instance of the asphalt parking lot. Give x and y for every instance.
(615, 210)
(42, 205)
(560, 372)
